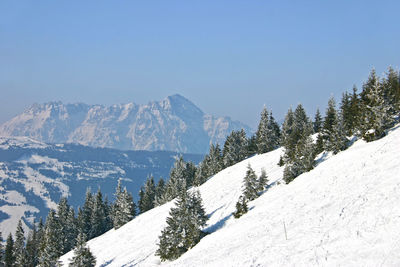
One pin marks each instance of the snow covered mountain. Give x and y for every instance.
(345, 212)
(173, 124)
(34, 175)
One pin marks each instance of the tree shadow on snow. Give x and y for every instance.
(211, 214)
(107, 263)
(218, 225)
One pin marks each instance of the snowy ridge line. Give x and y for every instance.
(172, 124)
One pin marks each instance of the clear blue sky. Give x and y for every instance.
(229, 57)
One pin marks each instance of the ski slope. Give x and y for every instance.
(345, 212)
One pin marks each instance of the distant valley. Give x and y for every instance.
(35, 175)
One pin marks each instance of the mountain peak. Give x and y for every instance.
(181, 105)
(174, 124)
(178, 97)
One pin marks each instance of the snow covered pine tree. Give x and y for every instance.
(183, 230)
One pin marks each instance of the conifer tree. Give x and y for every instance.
(297, 127)
(67, 224)
(160, 190)
(338, 139)
(141, 196)
(109, 214)
(252, 146)
(375, 109)
(197, 219)
(177, 180)
(347, 114)
(201, 174)
(9, 257)
(190, 173)
(274, 133)
(241, 207)
(262, 132)
(183, 230)
(333, 132)
(129, 208)
(250, 184)
(40, 237)
(287, 128)
(1, 248)
(299, 149)
(330, 118)
(147, 198)
(319, 145)
(317, 124)
(268, 133)
(98, 218)
(355, 110)
(214, 159)
(251, 190)
(366, 118)
(19, 246)
(370, 85)
(262, 181)
(235, 148)
(52, 246)
(82, 255)
(350, 112)
(32, 247)
(391, 85)
(281, 162)
(211, 164)
(85, 214)
(124, 207)
(303, 160)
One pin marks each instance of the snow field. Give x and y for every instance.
(345, 212)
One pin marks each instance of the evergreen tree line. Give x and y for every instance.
(184, 175)
(366, 115)
(236, 148)
(38, 251)
(63, 231)
(187, 218)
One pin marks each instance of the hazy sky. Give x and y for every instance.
(228, 57)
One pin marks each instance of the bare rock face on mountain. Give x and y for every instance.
(174, 124)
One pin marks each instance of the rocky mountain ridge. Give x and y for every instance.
(173, 124)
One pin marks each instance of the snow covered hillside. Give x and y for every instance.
(345, 212)
(34, 175)
(173, 124)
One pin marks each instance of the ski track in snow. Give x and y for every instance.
(345, 212)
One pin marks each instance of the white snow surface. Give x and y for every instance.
(345, 212)
(20, 141)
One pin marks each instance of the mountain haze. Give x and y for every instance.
(173, 124)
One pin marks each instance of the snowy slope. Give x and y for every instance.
(345, 212)
(34, 175)
(173, 124)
